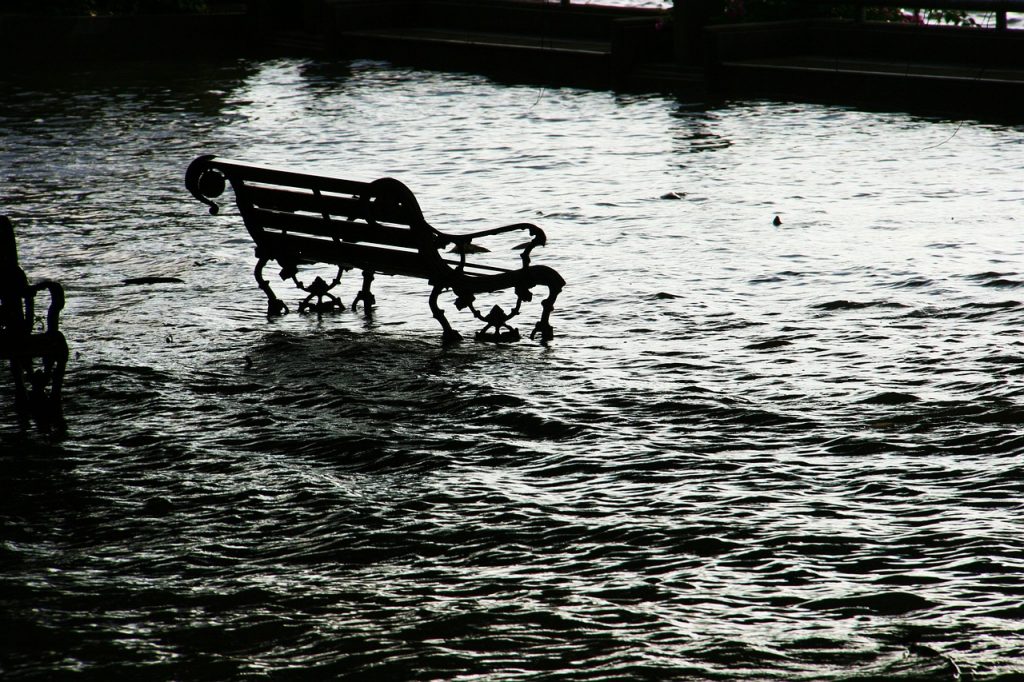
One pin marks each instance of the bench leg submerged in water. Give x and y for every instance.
(497, 319)
(543, 326)
(275, 306)
(41, 399)
(365, 295)
(320, 290)
(448, 335)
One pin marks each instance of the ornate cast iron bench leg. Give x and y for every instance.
(21, 399)
(320, 289)
(365, 295)
(497, 319)
(543, 326)
(275, 306)
(37, 390)
(56, 386)
(47, 381)
(448, 335)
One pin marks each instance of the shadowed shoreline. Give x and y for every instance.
(948, 70)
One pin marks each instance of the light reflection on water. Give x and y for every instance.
(752, 450)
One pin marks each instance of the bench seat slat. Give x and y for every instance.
(362, 256)
(345, 254)
(289, 200)
(344, 230)
(273, 176)
(292, 200)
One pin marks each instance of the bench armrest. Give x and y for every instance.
(56, 292)
(461, 241)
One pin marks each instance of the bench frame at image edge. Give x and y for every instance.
(24, 339)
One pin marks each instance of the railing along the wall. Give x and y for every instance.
(998, 7)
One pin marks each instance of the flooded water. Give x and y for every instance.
(752, 451)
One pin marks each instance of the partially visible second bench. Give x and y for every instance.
(377, 227)
(37, 388)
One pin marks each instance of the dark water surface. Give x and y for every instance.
(752, 451)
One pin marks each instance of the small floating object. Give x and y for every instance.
(135, 281)
(673, 195)
(777, 221)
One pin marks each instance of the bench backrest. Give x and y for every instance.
(299, 217)
(13, 284)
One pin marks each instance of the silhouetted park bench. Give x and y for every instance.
(297, 218)
(21, 343)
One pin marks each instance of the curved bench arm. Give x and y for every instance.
(204, 181)
(463, 240)
(56, 292)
